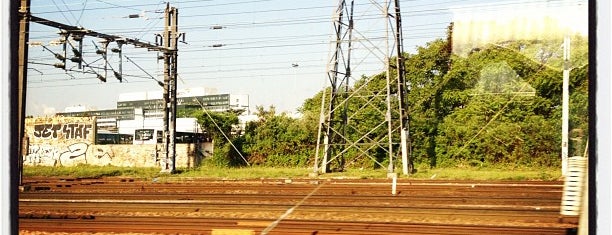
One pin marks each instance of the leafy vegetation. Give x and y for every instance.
(227, 141)
(278, 140)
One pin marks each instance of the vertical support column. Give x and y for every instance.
(402, 90)
(319, 131)
(78, 54)
(170, 41)
(173, 87)
(346, 81)
(565, 107)
(120, 45)
(388, 115)
(167, 162)
(22, 80)
(326, 151)
(104, 53)
(64, 34)
(332, 73)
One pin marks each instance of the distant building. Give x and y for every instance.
(139, 110)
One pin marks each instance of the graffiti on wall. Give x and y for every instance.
(52, 155)
(101, 153)
(70, 130)
(74, 151)
(64, 141)
(42, 155)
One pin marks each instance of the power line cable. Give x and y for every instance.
(487, 6)
(143, 70)
(294, 20)
(225, 4)
(82, 10)
(74, 17)
(107, 8)
(62, 13)
(119, 6)
(149, 26)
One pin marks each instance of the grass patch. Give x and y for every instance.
(259, 172)
(87, 171)
(255, 172)
(488, 173)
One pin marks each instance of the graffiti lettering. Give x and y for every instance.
(41, 155)
(46, 130)
(70, 131)
(72, 154)
(100, 153)
(75, 150)
(76, 131)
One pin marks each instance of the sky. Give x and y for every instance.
(258, 44)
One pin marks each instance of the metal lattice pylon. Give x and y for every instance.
(364, 118)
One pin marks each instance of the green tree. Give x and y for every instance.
(498, 129)
(278, 140)
(428, 100)
(222, 126)
(500, 123)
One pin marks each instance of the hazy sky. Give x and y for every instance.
(261, 40)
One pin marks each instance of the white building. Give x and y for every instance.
(144, 110)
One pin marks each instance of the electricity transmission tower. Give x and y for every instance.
(166, 43)
(364, 118)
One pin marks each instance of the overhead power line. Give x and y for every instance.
(444, 7)
(249, 45)
(145, 79)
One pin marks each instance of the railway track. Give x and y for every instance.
(291, 207)
(190, 225)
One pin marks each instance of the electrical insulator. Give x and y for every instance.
(60, 57)
(118, 76)
(60, 65)
(76, 52)
(103, 79)
(76, 59)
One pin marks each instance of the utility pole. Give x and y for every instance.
(170, 39)
(565, 107)
(405, 143)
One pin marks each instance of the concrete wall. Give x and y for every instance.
(69, 141)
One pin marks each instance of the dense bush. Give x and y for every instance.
(278, 140)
